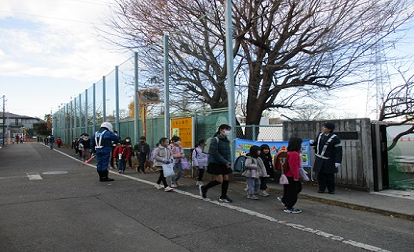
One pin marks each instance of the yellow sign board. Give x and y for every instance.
(183, 128)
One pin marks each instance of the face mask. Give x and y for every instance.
(127, 141)
(227, 132)
(178, 142)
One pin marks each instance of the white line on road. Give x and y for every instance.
(34, 176)
(269, 218)
(259, 215)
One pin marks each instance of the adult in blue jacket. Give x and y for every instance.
(101, 146)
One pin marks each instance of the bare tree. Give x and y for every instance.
(310, 112)
(398, 105)
(283, 50)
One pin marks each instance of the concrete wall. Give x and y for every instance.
(357, 166)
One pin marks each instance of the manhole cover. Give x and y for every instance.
(55, 172)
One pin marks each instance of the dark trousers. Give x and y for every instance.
(326, 180)
(200, 174)
(141, 160)
(112, 158)
(263, 185)
(162, 179)
(291, 192)
(121, 164)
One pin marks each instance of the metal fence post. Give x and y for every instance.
(254, 132)
(136, 99)
(104, 98)
(116, 99)
(80, 113)
(166, 90)
(230, 78)
(86, 111)
(94, 107)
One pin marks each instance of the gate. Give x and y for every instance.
(380, 155)
(400, 159)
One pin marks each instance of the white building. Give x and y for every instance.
(17, 125)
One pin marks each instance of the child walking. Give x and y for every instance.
(200, 161)
(162, 155)
(219, 163)
(122, 153)
(292, 190)
(178, 154)
(254, 169)
(267, 159)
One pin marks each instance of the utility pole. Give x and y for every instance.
(4, 116)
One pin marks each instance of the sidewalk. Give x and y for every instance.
(391, 203)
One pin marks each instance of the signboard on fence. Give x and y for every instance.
(243, 147)
(148, 96)
(183, 128)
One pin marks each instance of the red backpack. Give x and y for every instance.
(281, 161)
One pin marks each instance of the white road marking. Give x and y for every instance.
(34, 176)
(13, 177)
(54, 172)
(259, 215)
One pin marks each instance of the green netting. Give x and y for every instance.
(401, 166)
(206, 125)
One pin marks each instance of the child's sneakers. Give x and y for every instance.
(263, 193)
(253, 197)
(168, 189)
(292, 210)
(225, 199)
(203, 191)
(199, 183)
(158, 186)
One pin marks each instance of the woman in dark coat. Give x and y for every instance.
(219, 163)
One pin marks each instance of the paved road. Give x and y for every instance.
(51, 202)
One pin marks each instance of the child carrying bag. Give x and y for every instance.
(283, 179)
(168, 169)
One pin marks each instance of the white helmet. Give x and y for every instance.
(107, 125)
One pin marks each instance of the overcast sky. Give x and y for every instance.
(49, 52)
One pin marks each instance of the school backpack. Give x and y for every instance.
(239, 164)
(192, 153)
(206, 148)
(281, 161)
(151, 155)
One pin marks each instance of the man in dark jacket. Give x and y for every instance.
(328, 157)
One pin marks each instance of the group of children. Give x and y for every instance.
(123, 153)
(258, 167)
(82, 146)
(169, 153)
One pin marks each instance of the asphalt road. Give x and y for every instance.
(51, 202)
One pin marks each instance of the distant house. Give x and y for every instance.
(17, 124)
